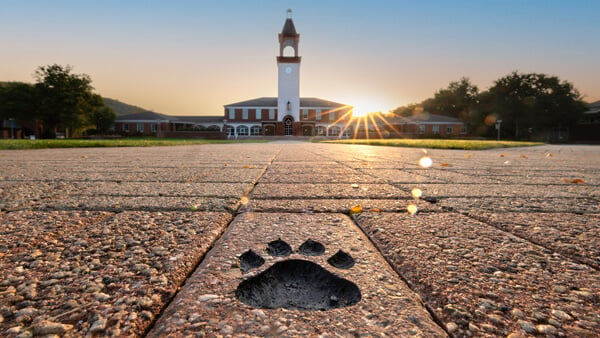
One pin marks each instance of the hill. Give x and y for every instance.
(121, 108)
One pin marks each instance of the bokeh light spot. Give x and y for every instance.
(425, 162)
(416, 193)
(412, 209)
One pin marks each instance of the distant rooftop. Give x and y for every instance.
(271, 102)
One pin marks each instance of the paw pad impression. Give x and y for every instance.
(297, 284)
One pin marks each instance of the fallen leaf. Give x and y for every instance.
(376, 210)
(246, 166)
(355, 186)
(445, 164)
(501, 155)
(467, 155)
(575, 181)
(549, 155)
(523, 156)
(224, 164)
(195, 207)
(357, 209)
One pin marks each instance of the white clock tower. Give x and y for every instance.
(288, 65)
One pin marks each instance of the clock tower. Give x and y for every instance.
(288, 65)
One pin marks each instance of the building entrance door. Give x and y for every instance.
(288, 126)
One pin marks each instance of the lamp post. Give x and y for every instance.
(498, 124)
(12, 126)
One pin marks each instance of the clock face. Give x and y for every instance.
(288, 70)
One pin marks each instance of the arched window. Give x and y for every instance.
(230, 131)
(255, 131)
(288, 126)
(321, 130)
(289, 51)
(334, 131)
(242, 131)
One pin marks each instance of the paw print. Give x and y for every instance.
(297, 284)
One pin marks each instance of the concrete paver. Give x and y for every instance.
(207, 304)
(99, 241)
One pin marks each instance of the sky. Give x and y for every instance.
(193, 57)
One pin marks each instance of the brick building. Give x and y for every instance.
(288, 114)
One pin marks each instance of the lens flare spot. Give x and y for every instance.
(490, 120)
(416, 193)
(467, 155)
(412, 209)
(244, 200)
(425, 162)
(195, 207)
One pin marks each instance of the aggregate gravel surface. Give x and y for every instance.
(82, 273)
(207, 304)
(147, 241)
(483, 281)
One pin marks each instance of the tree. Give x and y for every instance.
(528, 103)
(455, 101)
(66, 100)
(18, 101)
(103, 118)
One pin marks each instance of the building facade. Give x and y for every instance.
(288, 114)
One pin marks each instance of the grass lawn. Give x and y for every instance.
(124, 142)
(439, 144)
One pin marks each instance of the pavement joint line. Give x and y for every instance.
(534, 242)
(233, 213)
(410, 285)
(426, 305)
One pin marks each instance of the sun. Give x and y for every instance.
(361, 109)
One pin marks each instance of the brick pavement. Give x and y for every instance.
(148, 241)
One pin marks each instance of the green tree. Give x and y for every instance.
(455, 101)
(103, 118)
(18, 101)
(533, 103)
(66, 99)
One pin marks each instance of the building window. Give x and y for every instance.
(255, 131)
(305, 114)
(463, 129)
(334, 131)
(435, 129)
(242, 131)
(259, 114)
(318, 114)
(288, 126)
(320, 130)
(153, 127)
(331, 115)
(271, 114)
(230, 131)
(231, 113)
(139, 127)
(448, 129)
(126, 127)
(421, 129)
(245, 114)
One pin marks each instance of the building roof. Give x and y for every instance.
(144, 116)
(425, 118)
(200, 119)
(288, 27)
(271, 102)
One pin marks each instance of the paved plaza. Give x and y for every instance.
(300, 239)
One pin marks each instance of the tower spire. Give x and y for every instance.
(289, 13)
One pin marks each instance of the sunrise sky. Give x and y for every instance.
(192, 57)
